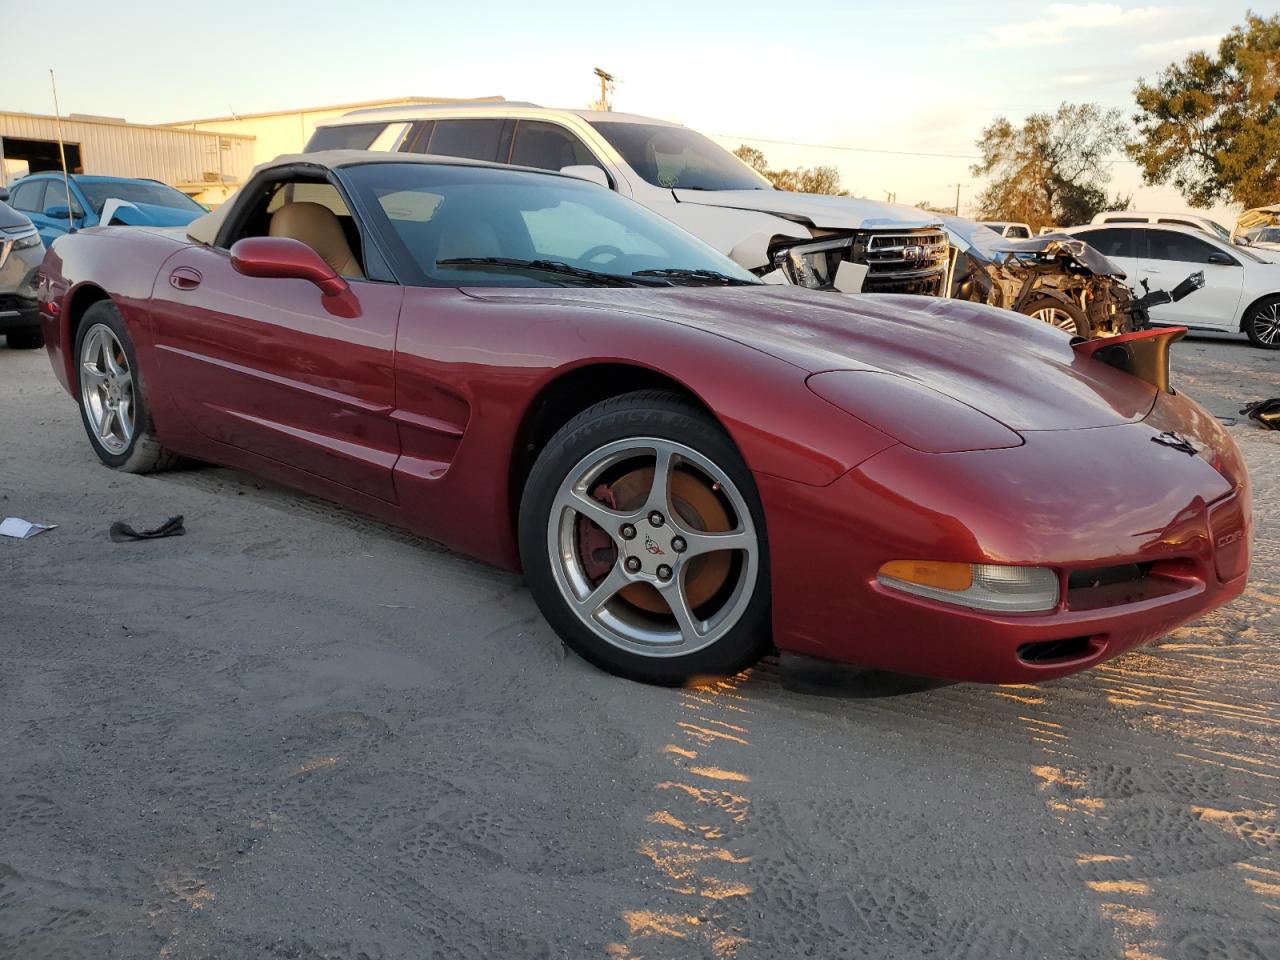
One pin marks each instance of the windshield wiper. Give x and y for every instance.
(547, 266)
(683, 273)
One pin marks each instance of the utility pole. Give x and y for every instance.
(957, 186)
(607, 82)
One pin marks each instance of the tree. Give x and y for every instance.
(823, 179)
(1051, 170)
(1211, 126)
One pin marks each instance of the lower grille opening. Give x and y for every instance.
(1058, 651)
(1096, 588)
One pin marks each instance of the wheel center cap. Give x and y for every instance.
(651, 546)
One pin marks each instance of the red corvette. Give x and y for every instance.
(687, 464)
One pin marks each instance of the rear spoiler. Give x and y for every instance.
(1144, 354)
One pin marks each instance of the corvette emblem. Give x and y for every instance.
(651, 545)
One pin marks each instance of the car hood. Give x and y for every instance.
(816, 209)
(1022, 372)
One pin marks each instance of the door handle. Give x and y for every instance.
(185, 278)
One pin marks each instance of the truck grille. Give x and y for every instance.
(903, 262)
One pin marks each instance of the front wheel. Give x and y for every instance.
(1262, 325)
(113, 403)
(643, 541)
(1058, 313)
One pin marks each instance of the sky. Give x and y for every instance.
(809, 83)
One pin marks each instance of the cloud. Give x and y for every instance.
(1207, 41)
(1058, 20)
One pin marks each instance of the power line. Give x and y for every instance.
(895, 153)
(833, 146)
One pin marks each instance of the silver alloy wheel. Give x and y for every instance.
(654, 546)
(1266, 324)
(106, 389)
(1058, 318)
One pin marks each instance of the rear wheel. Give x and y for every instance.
(1065, 316)
(1262, 325)
(643, 541)
(113, 403)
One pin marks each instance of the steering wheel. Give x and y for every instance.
(601, 249)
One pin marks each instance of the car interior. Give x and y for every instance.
(315, 214)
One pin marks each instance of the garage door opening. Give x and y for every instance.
(37, 155)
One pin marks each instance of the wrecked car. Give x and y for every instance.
(1260, 228)
(820, 241)
(1053, 277)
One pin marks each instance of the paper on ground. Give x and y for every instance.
(22, 529)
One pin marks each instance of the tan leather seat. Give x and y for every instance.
(317, 226)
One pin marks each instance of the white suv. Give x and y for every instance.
(1241, 290)
(827, 242)
(1194, 222)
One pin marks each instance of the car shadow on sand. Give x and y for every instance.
(825, 678)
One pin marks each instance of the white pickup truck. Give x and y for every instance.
(815, 240)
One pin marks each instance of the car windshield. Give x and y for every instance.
(1222, 232)
(98, 192)
(461, 225)
(1268, 235)
(678, 158)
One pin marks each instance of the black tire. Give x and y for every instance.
(1262, 324)
(144, 453)
(25, 340)
(662, 416)
(1072, 320)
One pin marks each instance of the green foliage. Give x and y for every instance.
(823, 179)
(1053, 169)
(1211, 125)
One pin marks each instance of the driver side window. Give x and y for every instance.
(1167, 245)
(314, 213)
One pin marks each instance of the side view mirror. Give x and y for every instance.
(1242, 241)
(586, 171)
(4, 195)
(285, 258)
(1221, 259)
(59, 211)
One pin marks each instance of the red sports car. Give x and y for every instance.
(687, 464)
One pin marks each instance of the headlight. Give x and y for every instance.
(982, 586)
(27, 242)
(813, 264)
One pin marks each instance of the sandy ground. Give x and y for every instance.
(295, 733)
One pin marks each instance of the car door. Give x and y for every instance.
(1171, 256)
(273, 367)
(1120, 245)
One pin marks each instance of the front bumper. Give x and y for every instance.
(18, 308)
(17, 315)
(1080, 501)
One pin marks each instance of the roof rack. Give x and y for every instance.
(469, 104)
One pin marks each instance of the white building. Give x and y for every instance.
(287, 131)
(206, 159)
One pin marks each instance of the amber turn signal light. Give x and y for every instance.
(939, 574)
(983, 586)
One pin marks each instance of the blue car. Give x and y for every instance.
(99, 201)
